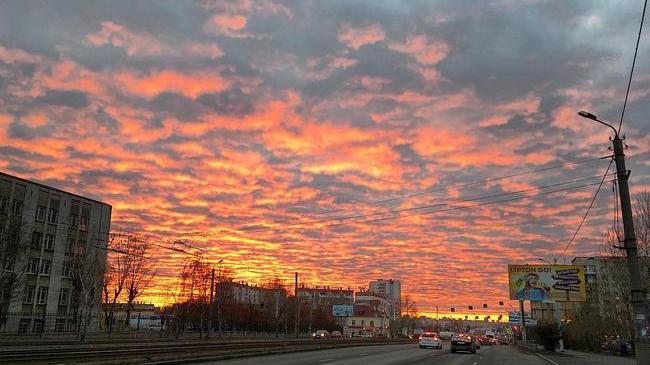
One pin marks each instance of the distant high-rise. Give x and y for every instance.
(52, 254)
(391, 290)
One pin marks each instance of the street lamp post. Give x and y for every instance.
(638, 295)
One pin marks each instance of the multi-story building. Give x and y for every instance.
(326, 296)
(391, 290)
(366, 321)
(245, 293)
(53, 254)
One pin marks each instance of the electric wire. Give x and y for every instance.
(591, 204)
(395, 211)
(636, 50)
(445, 188)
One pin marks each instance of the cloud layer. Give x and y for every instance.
(194, 120)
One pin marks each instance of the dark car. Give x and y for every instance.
(463, 342)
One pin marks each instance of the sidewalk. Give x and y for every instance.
(571, 357)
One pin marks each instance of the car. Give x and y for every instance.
(336, 334)
(463, 342)
(320, 335)
(430, 340)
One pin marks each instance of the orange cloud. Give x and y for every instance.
(150, 85)
(355, 37)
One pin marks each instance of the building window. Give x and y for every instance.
(38, 326)
(41, 295)
(66, 269)
(28, 296)
(40, 213)
(5, 294)
(32, 265)
(63, 296)
(353, 322)
(69, 243)
(53, 216)
(49, 242)
(37, 240)
(362, 322)
(372, 323)
(83, 224)
(4, 204)
(59, 326)
(24, 325)
(74, 221)
(46, 267)
(17, 208)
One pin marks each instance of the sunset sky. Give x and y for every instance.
(246, 127)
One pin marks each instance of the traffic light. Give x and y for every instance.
(453, 309)
(484, 305)
(471, 307)
(501, 302)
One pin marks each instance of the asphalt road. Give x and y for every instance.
(396, 354)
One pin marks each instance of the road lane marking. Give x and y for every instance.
(364, 354)
(547, 359)
(324, 360)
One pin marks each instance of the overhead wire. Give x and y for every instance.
(636, 50)
(444, 188)
(591, 204)
(395, 211)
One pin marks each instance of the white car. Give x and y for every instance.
(430, 340)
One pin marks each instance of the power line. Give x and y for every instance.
(428, 191)
(397, 211)
(636, 50)
(584, 217)
(482, 204)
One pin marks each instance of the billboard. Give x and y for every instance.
(547, 283)
(514, 318)
(342, 310)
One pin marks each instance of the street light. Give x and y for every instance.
(554, 260)
(593, 117)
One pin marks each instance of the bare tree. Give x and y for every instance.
(137, 269)
(275, 299)
(14, 245)
(86, 271)
(409, 312)
(192, 297)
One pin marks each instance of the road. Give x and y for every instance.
(394, 355)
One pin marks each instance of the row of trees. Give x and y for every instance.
(205, 301)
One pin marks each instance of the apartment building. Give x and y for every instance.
(326, 296)
(51, 241)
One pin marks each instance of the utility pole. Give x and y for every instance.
(211, 308)
(638, 297)
(295, 293)
(522, 320)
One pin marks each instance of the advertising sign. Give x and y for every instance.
(547, 283)
(342, 310)
(515, 319)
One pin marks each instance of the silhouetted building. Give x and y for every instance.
(47, 239)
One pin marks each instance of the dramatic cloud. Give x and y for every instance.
(339, 139)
